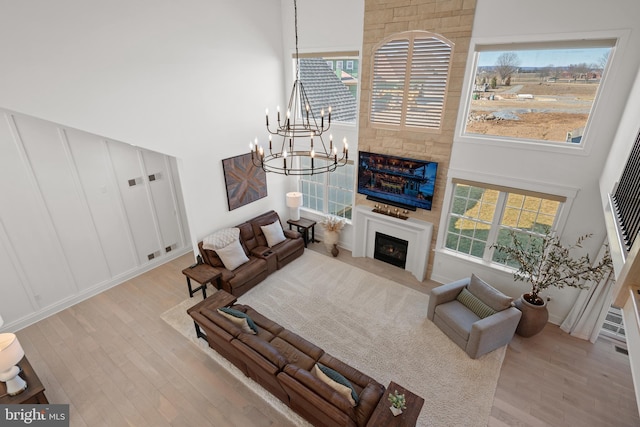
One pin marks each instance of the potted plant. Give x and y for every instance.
(543, 261)
(332, 225)
(398, 403)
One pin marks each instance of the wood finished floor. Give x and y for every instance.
(118, 364)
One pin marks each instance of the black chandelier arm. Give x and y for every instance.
(298, 133)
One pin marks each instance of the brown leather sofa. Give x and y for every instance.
(263, 260)
(282, 362)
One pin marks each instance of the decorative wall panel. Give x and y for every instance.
(245, 182)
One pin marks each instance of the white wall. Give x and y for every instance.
(497, 22)
(190, 79)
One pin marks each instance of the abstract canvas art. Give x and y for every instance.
(245, 182)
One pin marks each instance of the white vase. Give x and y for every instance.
(331, 238)
(395, 411)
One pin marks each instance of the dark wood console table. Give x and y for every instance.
(34, 394)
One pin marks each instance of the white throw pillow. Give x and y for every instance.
(273, 233)
(232, 255)
(221, 238)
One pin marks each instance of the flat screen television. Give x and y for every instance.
(397, 181)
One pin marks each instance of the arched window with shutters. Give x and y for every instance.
(409, 80)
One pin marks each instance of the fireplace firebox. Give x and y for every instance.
(391, 250)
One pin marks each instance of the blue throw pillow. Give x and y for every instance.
(240, 315)
(337, 377)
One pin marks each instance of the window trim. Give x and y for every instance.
(515, 185)
(559, 40)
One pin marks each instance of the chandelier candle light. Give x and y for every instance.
(298, 130)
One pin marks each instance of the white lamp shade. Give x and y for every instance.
(11, 351)
(1, 322)
(294, 199)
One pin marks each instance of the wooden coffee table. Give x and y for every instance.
(220, 298)
(382, 415)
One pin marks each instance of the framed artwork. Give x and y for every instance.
(245, 182)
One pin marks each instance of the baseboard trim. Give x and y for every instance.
(93, 291)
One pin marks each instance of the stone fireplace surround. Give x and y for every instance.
(417, 232)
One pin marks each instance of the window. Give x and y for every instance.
(410, 75)
(349, 65)
(482, 215)
(326, 87)
(540, 92)
(329, 193)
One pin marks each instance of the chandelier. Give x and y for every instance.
(302, 150)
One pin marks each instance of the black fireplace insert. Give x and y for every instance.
(391, 250)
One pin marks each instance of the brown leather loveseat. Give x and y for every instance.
(262, 259)
(285, 364)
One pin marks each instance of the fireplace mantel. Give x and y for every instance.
(416, 232)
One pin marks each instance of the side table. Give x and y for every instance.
(302, 226)
(203, 274)
(382, 415)
(34, 394)
(220, 298)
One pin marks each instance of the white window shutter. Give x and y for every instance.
(389, 78)
(409, 81)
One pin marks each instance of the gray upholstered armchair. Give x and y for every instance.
(475, 315)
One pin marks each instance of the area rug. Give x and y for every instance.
(379, 327)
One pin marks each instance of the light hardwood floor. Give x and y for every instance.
(117, 363)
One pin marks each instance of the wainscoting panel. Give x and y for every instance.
(92, 162)
(56, 178)
(78, 216)
(30, 232)
(131, 179)
(164, 198)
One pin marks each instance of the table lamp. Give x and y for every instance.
(294, 201)
(11, 353)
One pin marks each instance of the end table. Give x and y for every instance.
(203, 274)
(382, 415)
(220, 298)
(34, 394)
(302, 226)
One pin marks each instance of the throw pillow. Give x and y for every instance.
(239, 318)
(337, 382)
(221, 238)
(232, 255)
(470, 301)
(488, 294)
(273, 233)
